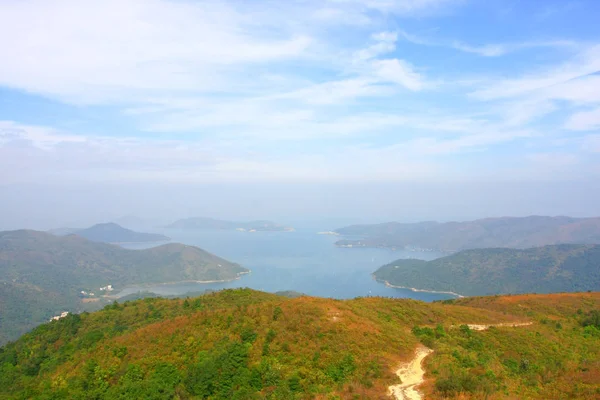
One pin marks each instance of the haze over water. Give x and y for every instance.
(302, 261)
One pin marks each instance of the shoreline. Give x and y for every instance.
(460, 296)
(147, 285)
(144, 242)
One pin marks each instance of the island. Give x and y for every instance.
(42, 275)
(448, 237)
(557, 268)
(217, 224)
(111, 233)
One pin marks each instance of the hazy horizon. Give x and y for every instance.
(330, 206)
(344, 110)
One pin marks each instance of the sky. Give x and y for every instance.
(375, 109)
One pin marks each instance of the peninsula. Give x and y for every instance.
(511, 232)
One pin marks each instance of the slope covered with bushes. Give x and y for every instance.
(244, 344)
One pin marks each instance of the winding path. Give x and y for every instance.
(483, 327)
(411, 376)
(411, 373)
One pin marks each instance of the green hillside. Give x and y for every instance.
(243, 344)
(560, 268)
(523, 232)
(111, 233)
(42, 274)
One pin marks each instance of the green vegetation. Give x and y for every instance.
(110, 233)
(243, 344)
(113, 233)
(560, 268)
(524, 232)
(210, 223)
(42, 275)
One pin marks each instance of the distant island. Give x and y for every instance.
(217, 224)
(512, 232)
(43, 274)
(111, 233)
(558, 268)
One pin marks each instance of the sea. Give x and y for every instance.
(302, 261)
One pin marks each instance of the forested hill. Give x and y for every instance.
(560, 268)
(510, 232)
(42, 274)
(111, 233)
(243, 344)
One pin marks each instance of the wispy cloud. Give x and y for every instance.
(230, 90)
(584, 120)
(486, 50)
(585, 63)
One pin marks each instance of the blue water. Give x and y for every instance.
(302, 261)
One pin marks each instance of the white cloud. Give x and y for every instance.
(587, 62)
(584, 121)
(111, 51)
(500, 49)
(402, 7)
(240, 80)
(400, 72)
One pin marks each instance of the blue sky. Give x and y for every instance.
(184, 91)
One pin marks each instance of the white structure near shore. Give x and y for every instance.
(57, 317)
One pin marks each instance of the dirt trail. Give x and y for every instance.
(483, 327)
(411, 376)
(411, 373)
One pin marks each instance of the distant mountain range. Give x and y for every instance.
(510, 232)
(216, 224)
(111, 233)
(42, 274)
(559, 268)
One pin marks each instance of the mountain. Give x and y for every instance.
(559, 268)
(113, 233)
(243, 344)
(511, 232)
(42, 274)
(210, 223)
(131, 222)
(110, 232)
(64, 231)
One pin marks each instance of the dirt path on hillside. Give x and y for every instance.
(411, 376)
(483, 327)
(411, 373)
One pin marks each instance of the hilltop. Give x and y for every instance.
(111, 233)
(560, 268)
(243, 344)
(42, 274)
(217, 224)
(533, 231)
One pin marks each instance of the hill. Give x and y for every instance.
(243, 344)
(111, 233)
(560, 268)
(533, 231)
(210, 223)
(42, 275)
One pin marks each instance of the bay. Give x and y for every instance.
(302, 261)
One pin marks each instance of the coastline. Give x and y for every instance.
(460, 296)
(147, 285)
(144, 242)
